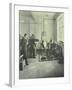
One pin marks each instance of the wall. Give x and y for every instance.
(38, 24)
(50, 28)
(4, 46)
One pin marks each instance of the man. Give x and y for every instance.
(24, 48)
(32, 46)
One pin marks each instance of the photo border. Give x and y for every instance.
(14, 46)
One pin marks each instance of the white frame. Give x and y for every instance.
(14, 46)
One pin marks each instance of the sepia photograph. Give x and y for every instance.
(41, 44)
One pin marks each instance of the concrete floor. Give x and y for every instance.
(44, 69)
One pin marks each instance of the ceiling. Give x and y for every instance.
(36, 15)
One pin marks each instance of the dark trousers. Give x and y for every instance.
(26, 62)
(25, 56)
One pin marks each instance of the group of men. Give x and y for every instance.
(27, 47)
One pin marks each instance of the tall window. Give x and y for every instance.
(60, 28)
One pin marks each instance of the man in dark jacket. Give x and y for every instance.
(24, 48)
(32, 46)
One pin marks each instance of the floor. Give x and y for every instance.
(44, 69)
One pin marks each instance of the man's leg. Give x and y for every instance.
(33, 53)
(26, 62)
